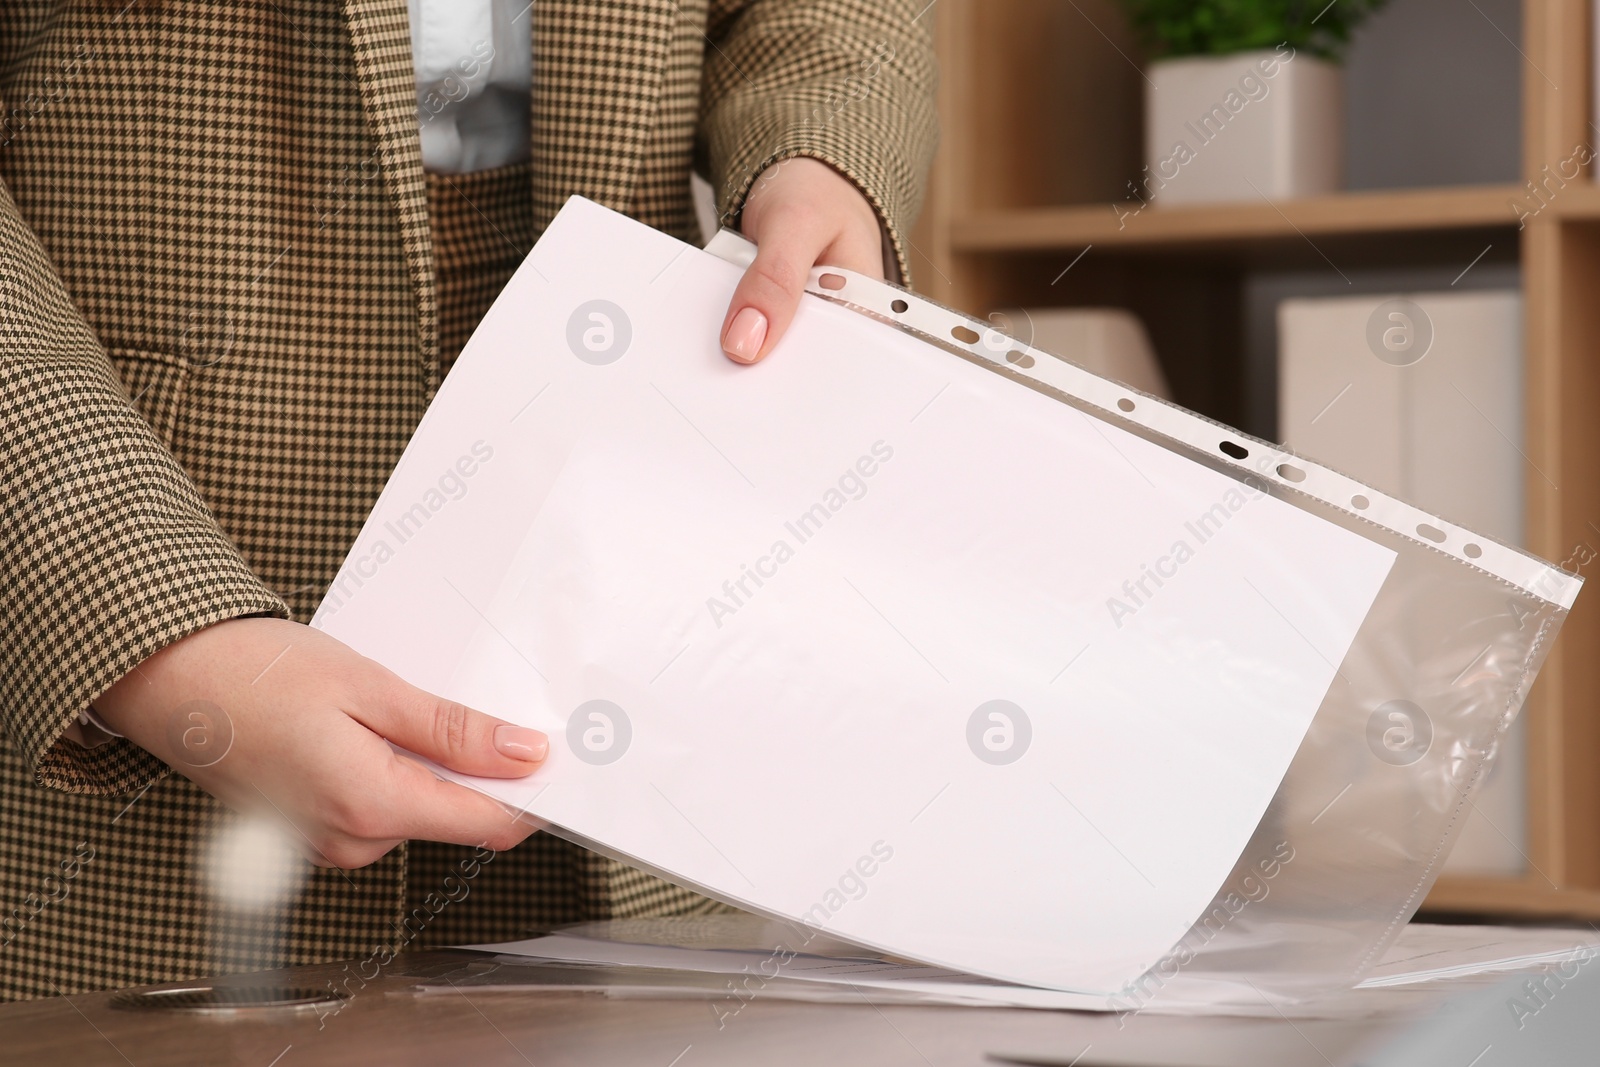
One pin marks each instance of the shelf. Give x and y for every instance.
(1347, 214)
(1579, 200)
(1042, 105)
(1526, 898)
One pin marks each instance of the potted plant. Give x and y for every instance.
(1244, 98)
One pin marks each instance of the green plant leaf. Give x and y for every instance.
(1172, 28)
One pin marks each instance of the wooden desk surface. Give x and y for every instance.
(389, 1022)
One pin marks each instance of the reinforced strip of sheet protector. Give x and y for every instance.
(866, 635)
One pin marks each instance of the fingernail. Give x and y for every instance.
(519, 742)
(745, 335)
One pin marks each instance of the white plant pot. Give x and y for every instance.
(1242, 127)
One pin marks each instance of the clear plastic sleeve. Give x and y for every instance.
(1378, 790)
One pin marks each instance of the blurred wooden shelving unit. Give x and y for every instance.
(1041, 110)
(1410, 210)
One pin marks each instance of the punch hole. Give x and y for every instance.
(1289, 472)
(1236, 451)
(1018, 358)
(1432, 533)
(964, 335)
(1472, 551)
(1125, 404)
(832, 281)
(899, 307)
(1360, 503)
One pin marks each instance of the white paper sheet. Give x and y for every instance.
(1426, 958)
(1426, 952)
(797, 588)
(756, 970)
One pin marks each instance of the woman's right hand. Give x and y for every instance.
(274, 717)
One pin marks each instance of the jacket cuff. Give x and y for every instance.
(118, 765)
(866, 142)
(104, 570)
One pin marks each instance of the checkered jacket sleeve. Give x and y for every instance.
(108, 553)
(849, 82)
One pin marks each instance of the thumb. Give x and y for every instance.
(454, 735)
(765, 301)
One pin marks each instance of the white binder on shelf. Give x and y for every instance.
(1442, 427)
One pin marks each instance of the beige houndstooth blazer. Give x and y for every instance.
(218, 328)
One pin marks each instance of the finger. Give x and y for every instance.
(856, 250)
(350, 856)
(764, 303)
(427, 808)
(511, 812)
(452, 734)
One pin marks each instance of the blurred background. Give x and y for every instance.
(1368, 230)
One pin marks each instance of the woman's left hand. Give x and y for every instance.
(801, 213)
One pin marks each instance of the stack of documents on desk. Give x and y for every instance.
(865, 637)
(1426, 953)
(1425, 962)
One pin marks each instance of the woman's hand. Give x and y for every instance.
(800, 213)
(274, 717)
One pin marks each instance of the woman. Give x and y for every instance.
(240, 245)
